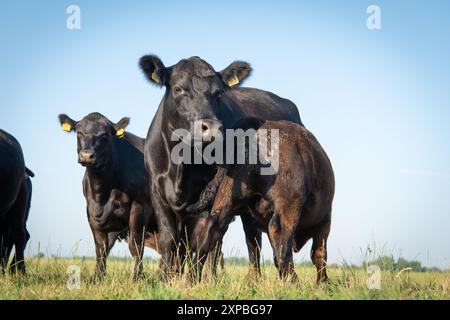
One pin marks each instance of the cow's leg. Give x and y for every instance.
(281, 234)
(5, 250)
(19, 233)
(3, 257)
(275, 262)
(319, 250)
(253, 239)
(18, 264)
(216, 225)
(222, 261)
(101, 252)
(215, 257)
(136, 239)
(184, 247)
(167, 236)
(206, 243)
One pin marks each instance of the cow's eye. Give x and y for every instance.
(178, 90)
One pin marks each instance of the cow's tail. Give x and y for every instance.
(29, 173)
(30, 192)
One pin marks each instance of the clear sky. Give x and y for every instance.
(377, 100)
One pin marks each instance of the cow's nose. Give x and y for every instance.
(210, 128)
(86, 157)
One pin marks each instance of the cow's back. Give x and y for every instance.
(12, 170)
(245, 102)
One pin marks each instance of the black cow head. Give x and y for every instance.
(95, 135)
(193, 89)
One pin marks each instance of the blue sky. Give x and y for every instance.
(378, 101)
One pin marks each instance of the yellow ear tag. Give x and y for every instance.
(233, 81)
(120, 133)
(155, 76)
(66, 127)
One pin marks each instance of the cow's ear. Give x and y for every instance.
(235, 73)
(153, 69)
(120, 127)
(67, 124)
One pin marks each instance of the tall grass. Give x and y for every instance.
(46, 278)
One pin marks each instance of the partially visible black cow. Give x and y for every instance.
(15, 201)
(196, 92)
(115, 186)
(292, 205)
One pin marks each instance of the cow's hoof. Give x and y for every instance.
(193, 277)
(97, 278)
(20, 271)
(137, 276)
(289, 277)
(322, 281)
(252, 277)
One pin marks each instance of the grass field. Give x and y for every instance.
(47, 279)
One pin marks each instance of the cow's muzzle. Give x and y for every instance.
(207, 130)
(86, 158)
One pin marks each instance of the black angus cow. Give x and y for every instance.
(15, 202)
(115, 186)
(292, 204)
(195, 91)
